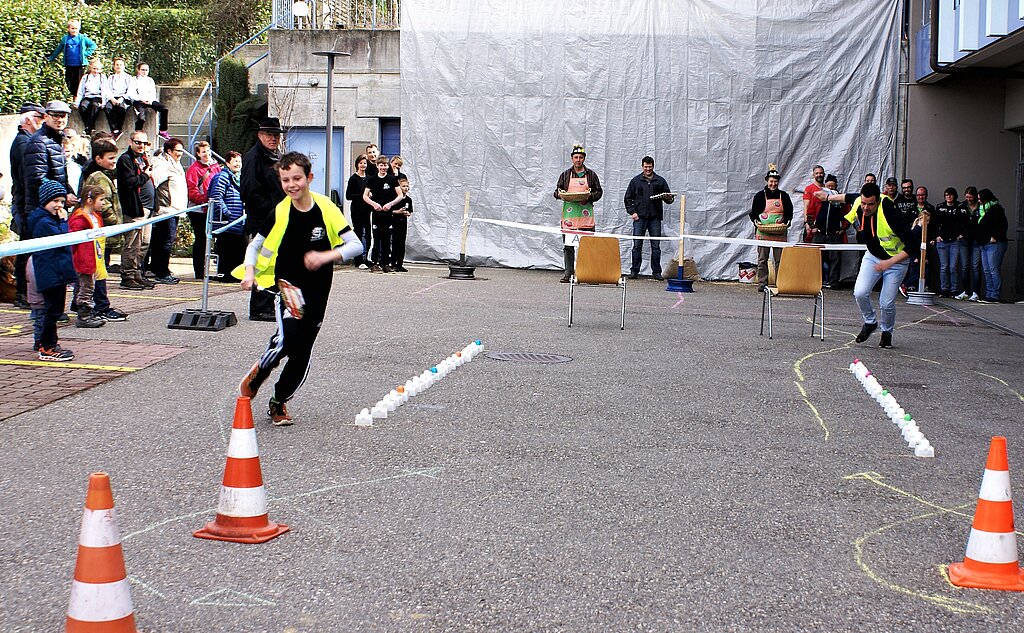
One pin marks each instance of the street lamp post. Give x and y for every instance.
(331, 56)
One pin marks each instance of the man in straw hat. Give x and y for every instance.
(577, 214)
(770, 209)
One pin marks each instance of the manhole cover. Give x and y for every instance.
(528, 357)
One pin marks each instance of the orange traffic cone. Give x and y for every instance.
(242, 510)
(991, 559)
(101, 601)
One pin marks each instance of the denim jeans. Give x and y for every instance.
(36, 317)
(949, 266)
(992, 261)
(970, 265)
(100, 296)
(892, 277)
(653, 227)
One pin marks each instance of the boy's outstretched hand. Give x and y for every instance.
(315, 259)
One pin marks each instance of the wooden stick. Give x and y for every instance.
(924, 251)
(682, 226)
(465, 228)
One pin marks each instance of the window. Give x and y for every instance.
(390, 136)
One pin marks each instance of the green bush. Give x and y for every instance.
(237, 110)
(175, 42)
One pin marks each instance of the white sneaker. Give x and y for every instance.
(961, 296)
(362, 267)
(974, 297)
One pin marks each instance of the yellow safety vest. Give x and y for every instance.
(887, 239)
(266, 260)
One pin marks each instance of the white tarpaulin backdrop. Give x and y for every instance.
(496, 92)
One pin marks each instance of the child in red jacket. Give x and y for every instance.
(88, 256)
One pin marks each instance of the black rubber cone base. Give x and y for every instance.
(204, 320)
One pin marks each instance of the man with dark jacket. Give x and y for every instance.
(577, 215)
(133, 174)
(261, 191)
(829, 228)
(647, 213)
(31, 120)
(44, 155)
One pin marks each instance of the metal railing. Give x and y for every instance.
(338, 14)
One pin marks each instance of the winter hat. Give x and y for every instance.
(772, 172)
(578, 149)
(49, 190)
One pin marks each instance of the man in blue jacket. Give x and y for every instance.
(44, 155)
(31, 120)
(77, 49)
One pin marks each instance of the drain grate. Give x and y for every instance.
(528, 357)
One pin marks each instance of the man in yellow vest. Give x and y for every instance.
(297, 244)
(886, 233)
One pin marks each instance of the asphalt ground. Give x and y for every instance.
(683, 474)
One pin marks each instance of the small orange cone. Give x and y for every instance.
(242, 510)
(991, 559)
(101, 601)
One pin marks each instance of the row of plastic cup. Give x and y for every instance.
(417, 384)
(909, 428)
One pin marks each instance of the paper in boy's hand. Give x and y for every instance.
(292, 297)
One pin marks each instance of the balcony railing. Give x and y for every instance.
(337, 14)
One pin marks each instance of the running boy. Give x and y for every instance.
(299, 243)
(53, 268)
(382, 193)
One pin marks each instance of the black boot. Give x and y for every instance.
(866, 331)
(87, 319)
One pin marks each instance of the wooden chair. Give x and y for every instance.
(598, 264)
(799, 276)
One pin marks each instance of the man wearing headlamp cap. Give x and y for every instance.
(577, 215)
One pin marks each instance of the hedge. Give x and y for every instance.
(176, 43)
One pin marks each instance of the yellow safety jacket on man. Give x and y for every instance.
(887, 238)
(266, 260)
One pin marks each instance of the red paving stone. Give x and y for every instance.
(27, 387)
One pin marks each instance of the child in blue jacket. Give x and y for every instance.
(53, 267)
(77, 49)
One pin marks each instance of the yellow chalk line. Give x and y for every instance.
(920, 321)
(1003, 382)
(813, 408)
(46, 363)
(11, 330)
(951, 604)
(925, 360)
(945, 602)
(8, 311)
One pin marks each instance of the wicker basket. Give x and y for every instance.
(772, 229)
(576, 196)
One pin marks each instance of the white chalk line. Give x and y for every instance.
(429, 473)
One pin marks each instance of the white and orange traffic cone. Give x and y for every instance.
(101, 601)
(242, 510)
(991, 559)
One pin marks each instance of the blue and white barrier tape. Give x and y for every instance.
(739, 241)
(229, 225)
(77, 237)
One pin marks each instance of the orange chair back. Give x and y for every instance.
(598, 261)
(799, 271)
